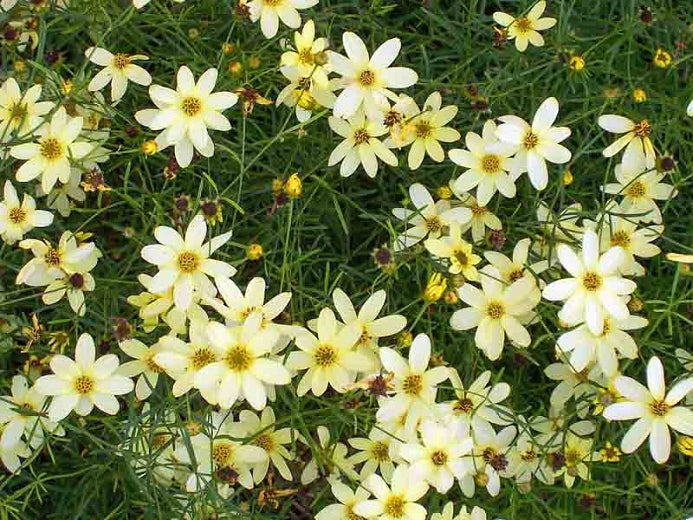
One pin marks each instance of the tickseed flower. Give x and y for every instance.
(54, 152)
(293, 187)
(242, 366)
(74, 286)
(21, 113)
(490, 462)
(415, 384)
(329, 358)
(610, 453)
(361, 145)
(482, 217)
(11, 450)
(494, 311)
(395, 501)
(306, 95)
(635, 241)
(456, 251)
(17, 218)
(366, 80)
(118, 70)
(426, 129)
(438, 458)
(571, 384)
(186, 113)
(377, 451)
(595, 290)
(269, 12)
(143, 365)
(307, 59)
(524, 30)
(86, 382)
(654, 409)
(348, 499)
(490, 167)
(635, 139)
(577, 453)
(662, 59)
(536, 143)
(184, 264)
(429, 219)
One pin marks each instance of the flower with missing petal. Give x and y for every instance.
(143, 365)
(367, 80)
(117, 70)
(537, 143)
(635, 139)
(525, 30)
(86, 382)
(654, 408)
(184, 263)
(184, 115)
(18, 218)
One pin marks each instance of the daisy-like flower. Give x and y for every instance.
(186, 113)
(262, 431)
(635, 139)
(361, 145)
(415, 384)
(53, 153)
(577, 454)
(377, 452)
(18, 218)
(654, 408)
(536, 143)
(594, 291)
(586, 347)
(20, 113)
(269, 12)
(448, 513)
(525, 30)
(238, 306)
(307, 58)
(481, 216)
(438, 458)
(489, 163)
(395, 118)
(21, 415)
(477, 406)
(552, 429)
(329, 358)
(143, 365)
(635, 242)
(640, 189)
(494, 311)
(491, 460)
(456, 251)
(117, 70)
(86, 382)
(347, 498)
(528, 460)
(61, 196)
(367, 80)
(305, 94)
(74, 286)
(243, 364)
(335, 456)
(397, 501)
(184, 263)
(517, 267)
(572, 384)
(426, 129)
(429, 219)
(371, 327)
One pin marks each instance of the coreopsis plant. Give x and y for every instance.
(635, 139)
(18, 218)
(117, 70)
(269, 12)
(308, 57)
(577, 454)
(538, 143)
(525, 29)
(186, 114)
(655, 409)
(84, 382)
(21, 114)
(347, 500)
(481, 219)
(490, 462)
(456, 251)
(397, 500)
(143, 366)
(377, 453)
(366, 80)
(305, 95)
(238, 306)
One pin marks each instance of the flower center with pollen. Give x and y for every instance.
(636, 189)
(572, 457)
(221, 453)
(530, 141)
(434, 225)
(17, 111)
(191, 106)
(152, 365)
(490, 164)
(523, 25)
(464, 405)
(202, 357)
(620, 238)
(423, 129)
(51, 149)
(325, 355)
(52, 257)
(361, 136)
(516, 275)
(394, 506)
(591, 281)
(120, 61)
(461, 258)
(367, 78)
(659, 408)
(17, 215)
(84, 384)
(643, 128)
(238, 358)
(412, 384)
(380, 451)
(495, 310)
(188, 261)
(439, 458)
(305, 56)
(265, 442)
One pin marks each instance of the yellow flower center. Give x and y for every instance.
(151, 365)
(490, 164)
(17, 215)
(464, 405)
(636, 189)
(659, 408)
(191, 106)
(530, 141)
(202, 357)
(495, 310)
(272, 3)
(516, 275)
(528, 455)
(439, 458)
(478, 211)
(51, 149)
(265, 442)
(84, 384)
(412, 384)
(488, 454)
(305, 56)
(620, 238)
(188, 261)
(572, 457)
(325, 355)
(361, 136)
(52, 257)
(367, 78)
(120, 61)
(380, 451)
(394, 506)
(238, 358)
(434, 225)
(17, 111)
(591, 281)
(221, 453)
(423, 129)
(643, 128)
(365, 338)
(523, 25)
(392, 118)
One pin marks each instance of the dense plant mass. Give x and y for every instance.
(345, 260)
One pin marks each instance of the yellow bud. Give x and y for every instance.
(685, 445)
(444, 192)
(149, 147)
(662, 59)
(639, 95)
(405, 338)
(254, 252)
(293, 186)
(235, 67)
(435, 288)
(277, 186)
(253, 62)
(227, 48)
(568, 178)
(66, 86)
(576, 63)
(19, 66)
(451, 297)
